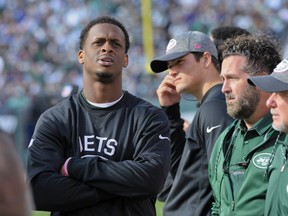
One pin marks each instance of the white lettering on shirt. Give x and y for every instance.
(98, 145)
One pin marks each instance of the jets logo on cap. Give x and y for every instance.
(282, 66)
(172, 43)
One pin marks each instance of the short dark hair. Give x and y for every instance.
(262, 52)
(221, 33)
(199, 55)
(101, 20)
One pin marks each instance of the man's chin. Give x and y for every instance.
(104, 77)
(280, 128)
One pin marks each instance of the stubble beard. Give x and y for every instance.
(245, 105)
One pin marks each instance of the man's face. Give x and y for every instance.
(187, 74)
(241, 98)
(278, 104)
(103, 55)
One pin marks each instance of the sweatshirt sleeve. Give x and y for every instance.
(178, 135)
(51, 190)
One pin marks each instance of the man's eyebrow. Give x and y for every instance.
(174, 62)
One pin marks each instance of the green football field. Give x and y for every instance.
(159, 206)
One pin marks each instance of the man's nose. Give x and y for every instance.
(107, 47)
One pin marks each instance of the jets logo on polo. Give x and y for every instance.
(172, 43)
(261, 160)
(282, 66)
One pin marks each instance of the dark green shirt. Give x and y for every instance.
(237, 168)
(277, 192)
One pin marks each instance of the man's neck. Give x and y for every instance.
(102, 93)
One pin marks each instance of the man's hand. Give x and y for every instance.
(167, 93)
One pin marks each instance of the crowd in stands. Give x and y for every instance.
(39, 39)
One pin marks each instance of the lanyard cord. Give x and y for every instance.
(272, 157)
(226, 162)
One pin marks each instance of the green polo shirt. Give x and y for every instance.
(238, 165)
(277, 192)
(246, 141)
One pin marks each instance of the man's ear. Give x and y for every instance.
(81, 56)
(207, 58)
(126, 61)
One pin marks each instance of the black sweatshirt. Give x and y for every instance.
(120, 157)
(191, 193)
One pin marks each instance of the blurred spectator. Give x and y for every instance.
(42, 102)
(37, 50)
(15, 196)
